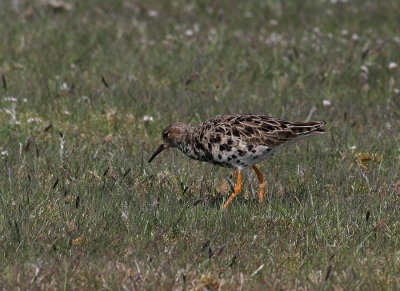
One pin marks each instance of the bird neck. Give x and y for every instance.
(194, 148)
(187, 145)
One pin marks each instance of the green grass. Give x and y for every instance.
(86, 211)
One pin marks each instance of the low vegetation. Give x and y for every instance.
(86, 89)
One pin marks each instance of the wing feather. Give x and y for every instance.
(260, 130)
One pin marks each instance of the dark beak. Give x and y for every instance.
(158, 150)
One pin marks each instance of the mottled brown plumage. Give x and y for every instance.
(238, 141)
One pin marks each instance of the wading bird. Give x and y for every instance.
(236, 141)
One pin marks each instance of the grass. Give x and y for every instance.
(80, 208)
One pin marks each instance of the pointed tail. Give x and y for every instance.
(307, 128)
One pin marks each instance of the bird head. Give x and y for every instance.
(173, 136)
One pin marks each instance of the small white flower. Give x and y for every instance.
(364, 69)
(66, 112)
(345, 32)
(396, 90)
(148, 118)
(392, 65)
(10, 99)
(33, 119)
(4, 153)
(25, 100)
(152, 13)
(353, 147)
(64, 86)
(355, 36)
(189, 32)
(326, 103)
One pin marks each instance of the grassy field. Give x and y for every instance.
(88, 87)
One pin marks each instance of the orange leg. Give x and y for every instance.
(261, 183)
(236, 190)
